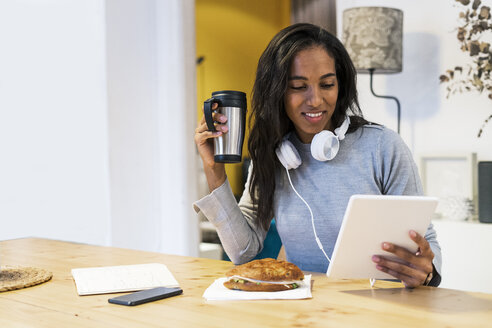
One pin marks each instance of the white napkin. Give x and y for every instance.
(218, 292)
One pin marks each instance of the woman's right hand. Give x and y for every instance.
(215, 172)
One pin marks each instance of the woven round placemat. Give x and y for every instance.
(21, 277)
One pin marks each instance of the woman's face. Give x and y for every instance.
(312, 92)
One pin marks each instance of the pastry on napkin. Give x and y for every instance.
(261, 279)
(265, 275)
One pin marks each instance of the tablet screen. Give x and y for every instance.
(371, 220)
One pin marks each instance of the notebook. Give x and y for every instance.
(123, 278)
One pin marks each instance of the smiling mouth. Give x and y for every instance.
(318, 114)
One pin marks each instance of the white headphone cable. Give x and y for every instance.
(372, 281)
(312, 217)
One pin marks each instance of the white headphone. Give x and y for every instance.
(324, 147)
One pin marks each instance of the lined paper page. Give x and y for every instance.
(123, 278)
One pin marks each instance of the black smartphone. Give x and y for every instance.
(145, 296)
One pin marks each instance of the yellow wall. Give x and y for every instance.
(231, 35)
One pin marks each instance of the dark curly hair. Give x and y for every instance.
(268, 120)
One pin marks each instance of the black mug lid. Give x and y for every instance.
(231, 94)
(230, 98)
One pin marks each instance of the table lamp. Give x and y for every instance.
(373, 38)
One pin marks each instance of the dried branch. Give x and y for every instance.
(475, 20)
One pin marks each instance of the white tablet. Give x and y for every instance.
(371, 220)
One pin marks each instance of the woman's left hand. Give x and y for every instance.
(411, 268)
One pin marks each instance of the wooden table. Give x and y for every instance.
(335, 303)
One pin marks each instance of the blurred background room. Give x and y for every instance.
(99, 100)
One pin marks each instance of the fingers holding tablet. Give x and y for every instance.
(411, 268)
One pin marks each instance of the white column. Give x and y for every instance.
(176, 76)
(151, 103)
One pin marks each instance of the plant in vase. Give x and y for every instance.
(475, 25)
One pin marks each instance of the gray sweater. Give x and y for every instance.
(371, 160)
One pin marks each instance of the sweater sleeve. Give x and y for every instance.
(241, 238)
(400, 176)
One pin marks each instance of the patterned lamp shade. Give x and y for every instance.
(373, 38)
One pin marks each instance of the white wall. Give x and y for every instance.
(97, 116)
(430, 122)
(53, 121)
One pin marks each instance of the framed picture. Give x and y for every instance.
(453, 179)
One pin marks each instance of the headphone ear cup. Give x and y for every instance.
(324, 146)
(287, 155)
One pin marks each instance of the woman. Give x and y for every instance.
(306, 86)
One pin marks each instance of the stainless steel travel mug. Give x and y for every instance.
(228, 147)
